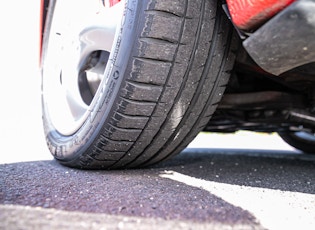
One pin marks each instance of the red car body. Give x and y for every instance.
(248, 14)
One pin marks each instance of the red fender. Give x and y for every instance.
(248, 14)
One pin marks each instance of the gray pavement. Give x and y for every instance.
(199, 189)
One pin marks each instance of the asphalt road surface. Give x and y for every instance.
(198, 189)
(246, 181)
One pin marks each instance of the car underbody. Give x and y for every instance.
(258, 101)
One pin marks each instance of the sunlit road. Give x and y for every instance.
(246, 181)
(199, 189)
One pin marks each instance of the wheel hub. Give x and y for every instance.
(81, 37)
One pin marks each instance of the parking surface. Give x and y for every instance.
(205, 188)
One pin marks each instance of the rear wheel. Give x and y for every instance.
(131, 84)
(303, 141)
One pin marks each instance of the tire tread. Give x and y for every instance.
(176, 79)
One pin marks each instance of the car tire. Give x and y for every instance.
(165, 71)
(300, 140)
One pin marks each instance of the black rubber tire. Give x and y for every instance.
(296, 140)
(174, 61)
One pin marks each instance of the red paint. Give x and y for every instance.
(41, 29)
(248, 14)
(112, 2)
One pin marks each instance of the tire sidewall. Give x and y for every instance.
(68, 148)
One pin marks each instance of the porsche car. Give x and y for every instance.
(129, 83)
